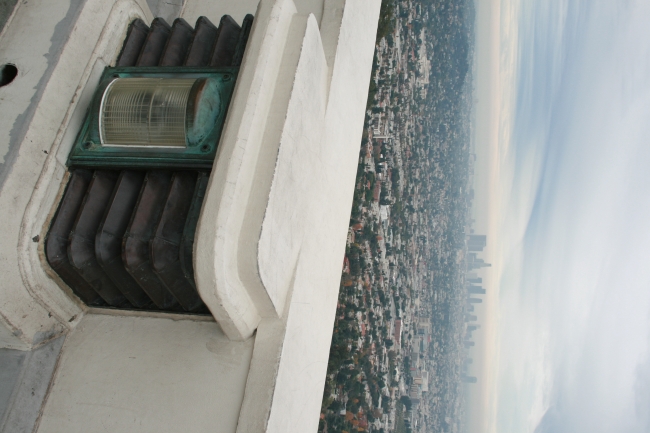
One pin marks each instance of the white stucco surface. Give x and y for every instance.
(252, 224)
(303, 363)
(301, 245)
(127, 374)
(296, 172)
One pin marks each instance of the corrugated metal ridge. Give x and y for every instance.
(181, 45)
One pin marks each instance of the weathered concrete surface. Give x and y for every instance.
(12, 364)
(125, 374)
(24, 379)
(58, 47)
(167, 9)
(9, 337)
(45, 28)
(33, 42)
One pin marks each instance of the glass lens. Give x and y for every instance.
(145, 112)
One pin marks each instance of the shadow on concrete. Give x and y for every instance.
(24, 379)
(6, 7)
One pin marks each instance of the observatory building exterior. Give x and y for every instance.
(176, 179)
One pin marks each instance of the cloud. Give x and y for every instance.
(575, 284)
(642, 395)
(551, 422)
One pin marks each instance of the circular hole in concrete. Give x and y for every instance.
(7, 74)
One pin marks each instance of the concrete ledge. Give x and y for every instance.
(310, 317)
(306, 220)
(287, 212)
(238, 308)
(256, 214)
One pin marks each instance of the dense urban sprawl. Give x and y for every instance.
(397, 354)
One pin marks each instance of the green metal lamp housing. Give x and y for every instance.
(150, 117)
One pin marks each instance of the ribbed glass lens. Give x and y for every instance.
(145, 112)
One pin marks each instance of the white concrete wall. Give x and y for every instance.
(270, 242)
(58, 46)
(134, 374)
(311, 143)
(305, 352)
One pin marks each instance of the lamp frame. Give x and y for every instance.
(88, 151)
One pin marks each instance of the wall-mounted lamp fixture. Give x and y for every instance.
(124, 230)
(155, 117)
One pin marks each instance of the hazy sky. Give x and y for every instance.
(563, 129)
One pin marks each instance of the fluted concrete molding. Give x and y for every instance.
(59, 47)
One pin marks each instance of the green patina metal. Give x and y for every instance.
(206, 98)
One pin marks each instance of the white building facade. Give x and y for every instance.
(269, 244)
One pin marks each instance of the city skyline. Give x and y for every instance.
(476, 243)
